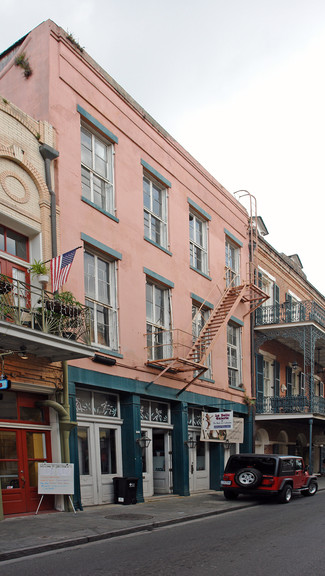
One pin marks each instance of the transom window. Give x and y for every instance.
(158, 321)
(232, 263)
(155, 211)
(198, 242)
(97, 175)
(154, 411)
(100, 291)
(234, 354)
(13, 243)
(96, 403)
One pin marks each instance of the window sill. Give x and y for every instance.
(201, 273)
(157, 245)
(108, 352)
(108, 214)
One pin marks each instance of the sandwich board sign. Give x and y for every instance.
(55, 478)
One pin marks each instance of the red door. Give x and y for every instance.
(20, 452)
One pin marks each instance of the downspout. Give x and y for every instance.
(49, 154)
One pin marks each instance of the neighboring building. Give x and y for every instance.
(165, 250)
(32, 344)
(290, 359)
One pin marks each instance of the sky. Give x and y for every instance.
(240, 84)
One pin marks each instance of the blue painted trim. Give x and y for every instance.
(155, 173)
(119, 384)
(157, 245)
(202, 301)
(200, 272)
(236, 320)
(230, 235)
(198, 209)
(210, 380)
(101, 246)
(99, 209)
(96, 123)
(159, 278)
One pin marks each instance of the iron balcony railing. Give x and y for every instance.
(304, 311)
(290, 405)
(26, 305)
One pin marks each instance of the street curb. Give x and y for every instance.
(42, 548)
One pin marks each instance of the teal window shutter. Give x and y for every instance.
(259, 381)
(276, 378)
(289, 380)
(276, 302)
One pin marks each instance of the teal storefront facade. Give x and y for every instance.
(113, 413)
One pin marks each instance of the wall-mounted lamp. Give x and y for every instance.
(294, 366)
(226, 444)
(283, 387)
(143, 441)
(23, 353)
(190, 443)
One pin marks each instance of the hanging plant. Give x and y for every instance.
(23, 63)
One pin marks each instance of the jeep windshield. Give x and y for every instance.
(266, 465)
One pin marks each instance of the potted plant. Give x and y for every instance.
(65, 303)
(40, 270)
(5, 284)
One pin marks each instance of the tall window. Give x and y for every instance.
(232, 263)
(198, 242)
(234, 354)
(155, 211)
(97, 170)
(199, 318)
(100, 291)
(158, 321)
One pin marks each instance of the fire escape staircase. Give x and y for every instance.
(219, 317)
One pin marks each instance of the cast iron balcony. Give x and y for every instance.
(290, 312)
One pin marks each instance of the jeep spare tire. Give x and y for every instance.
(248, 478)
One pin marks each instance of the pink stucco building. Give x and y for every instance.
(161, 241)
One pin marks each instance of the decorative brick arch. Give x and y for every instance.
(31, 125)
(16, 155)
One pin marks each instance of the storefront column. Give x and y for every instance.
(131, 431)
(73, 443)
(247, 445)
(216, 464)
(179, 414)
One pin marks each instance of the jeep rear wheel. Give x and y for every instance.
(285, 494)
(311, 490)
(248, 478)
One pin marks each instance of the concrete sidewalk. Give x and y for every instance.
(26, 535)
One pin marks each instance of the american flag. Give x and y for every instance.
(60, 268)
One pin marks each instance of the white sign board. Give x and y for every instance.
(55, 478)
(235, 435)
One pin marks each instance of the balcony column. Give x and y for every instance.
(311, 464)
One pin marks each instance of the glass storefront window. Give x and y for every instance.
(8, 406)
(107, 451)
(83, 451)
(145, 410)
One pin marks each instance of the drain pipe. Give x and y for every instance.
(48, 153)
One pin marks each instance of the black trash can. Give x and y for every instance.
(125, 490)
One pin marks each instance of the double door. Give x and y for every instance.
(157, 462)
(99, 454)
(20, 452)
(198, 464)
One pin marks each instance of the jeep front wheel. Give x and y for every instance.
(285, 494)
(311, 490)
(248, 478)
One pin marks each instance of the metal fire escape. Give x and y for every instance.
(197, 352)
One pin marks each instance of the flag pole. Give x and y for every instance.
(46, 261)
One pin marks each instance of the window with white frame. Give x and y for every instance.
(200, 316)
(155, 210)
(232, 263)
(198, 242)
(97, 174)
(158, 315)
(100, 291)
(234, 354)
